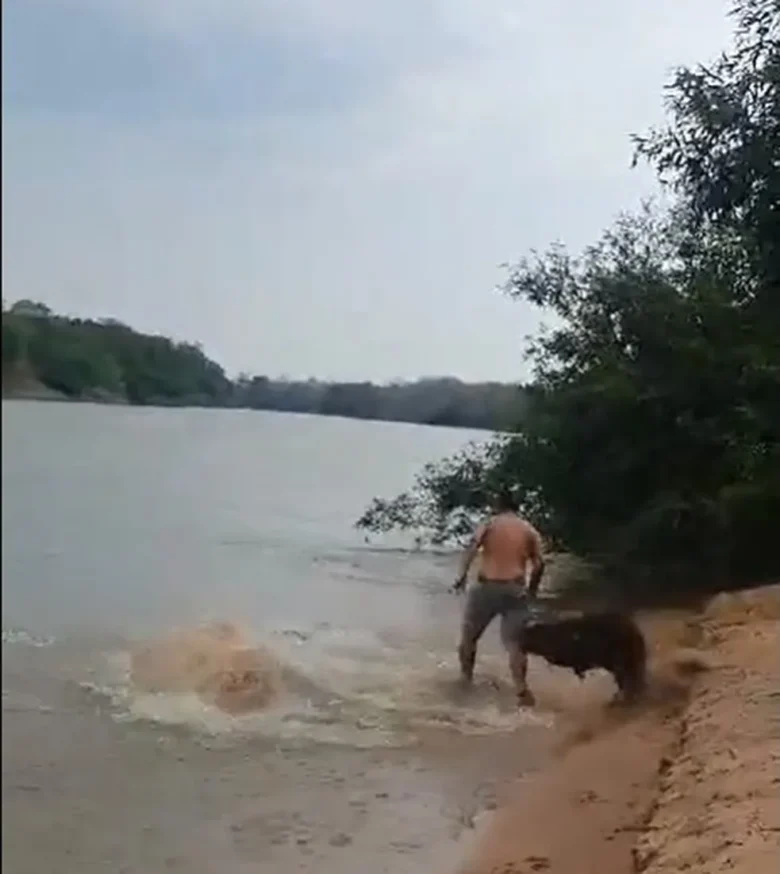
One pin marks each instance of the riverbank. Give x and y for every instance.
(29, 389)
(688, 784)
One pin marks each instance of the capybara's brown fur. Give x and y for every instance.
(607, 640)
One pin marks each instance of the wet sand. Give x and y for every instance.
(689, 783)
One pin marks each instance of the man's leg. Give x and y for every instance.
(477, 615)
(513, 638)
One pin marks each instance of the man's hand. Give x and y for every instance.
(459, 585)
(536, 578)
(468, 557)
(536, 556)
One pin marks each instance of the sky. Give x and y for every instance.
(324, 187)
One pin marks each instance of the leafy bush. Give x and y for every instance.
(650, 437)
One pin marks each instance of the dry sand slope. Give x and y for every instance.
(691, 783)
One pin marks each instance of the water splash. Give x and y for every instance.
(22, 702)
(20, 636)
(335, 686)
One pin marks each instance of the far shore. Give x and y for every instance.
(39, 392)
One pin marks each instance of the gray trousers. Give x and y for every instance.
(490, 598)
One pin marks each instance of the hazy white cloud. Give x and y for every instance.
(324, 187)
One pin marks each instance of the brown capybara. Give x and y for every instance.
(217, 662)
(607, 640)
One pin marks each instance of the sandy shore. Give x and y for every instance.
(690, 783)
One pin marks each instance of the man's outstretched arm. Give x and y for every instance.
(468, 557)
(536, 558)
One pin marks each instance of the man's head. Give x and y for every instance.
(506, 502)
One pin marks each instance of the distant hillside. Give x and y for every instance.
(46, 355)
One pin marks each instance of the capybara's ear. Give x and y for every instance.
(236, 681)
(245, 689)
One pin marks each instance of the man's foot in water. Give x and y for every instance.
(465, 682)
(525, 698)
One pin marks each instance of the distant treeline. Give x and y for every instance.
(108, 361)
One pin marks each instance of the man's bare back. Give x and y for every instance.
(508, 545)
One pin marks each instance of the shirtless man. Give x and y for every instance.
(509, 545)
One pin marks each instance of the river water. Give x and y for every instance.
(122, 524)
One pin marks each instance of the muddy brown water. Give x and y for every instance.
(120, 525)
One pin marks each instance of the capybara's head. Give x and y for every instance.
(216, 662)
(551, 640)
(228, 632)
(248, 681)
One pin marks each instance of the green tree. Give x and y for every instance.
(14, 341)
(106, 359)
(650, 440)
(720, 150)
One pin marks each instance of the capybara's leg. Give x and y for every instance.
(630, 672)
